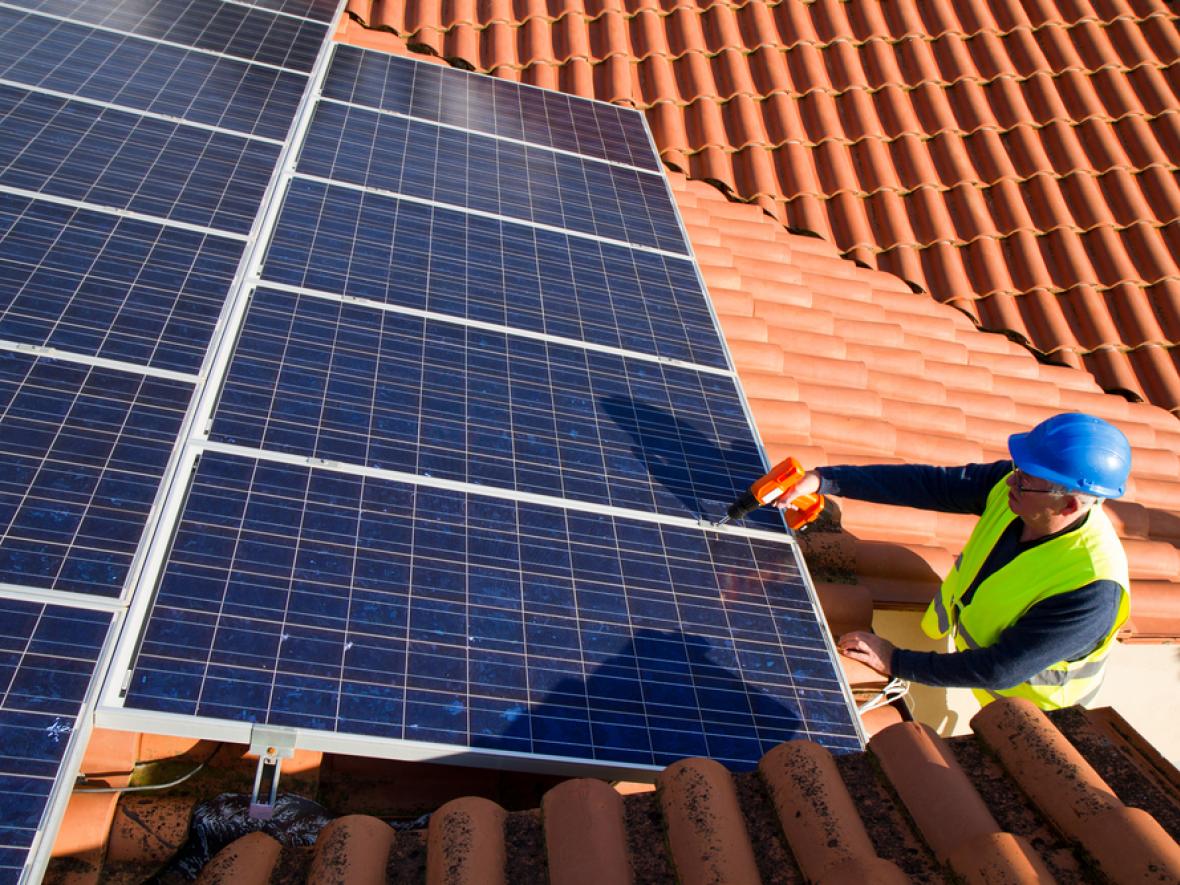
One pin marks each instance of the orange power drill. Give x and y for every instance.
(783, 477)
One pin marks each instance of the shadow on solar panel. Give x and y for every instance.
(686, 460)
(631, 706)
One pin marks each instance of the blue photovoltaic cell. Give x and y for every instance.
(48, 655)
(93, 283)
(328, 601)
(229, 28)
(318, 10)
(343, 382)
(377, 247)
(50, 54)
(82, 450)
(487, 104)
(120, 159)
(450, 166)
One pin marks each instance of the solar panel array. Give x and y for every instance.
(402, 443)
(451, 485)
(137, 144)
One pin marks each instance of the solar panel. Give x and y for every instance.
(127, 161)
(378, 247)
(317, 10)
(345, 382)
(297, 596)
(507, 178)
(447, 503)
(48, 655)
(227, 28)
(118, 288)
(141, 74)
(489, 105)
(83, 449)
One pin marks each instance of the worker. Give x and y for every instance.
(1036, 597)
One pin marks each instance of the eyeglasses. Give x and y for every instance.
(1020, 476)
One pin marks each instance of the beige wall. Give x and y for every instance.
(1142, 683)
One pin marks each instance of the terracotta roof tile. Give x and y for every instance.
(952, 817)
(706, 832)
(848, 390)
(585, 834)
(1128, 844)
(246, 861)
(876, 127)
(819, 816)
(1012, 802)
(465, 845)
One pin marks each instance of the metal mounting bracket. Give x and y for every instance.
(273, 744)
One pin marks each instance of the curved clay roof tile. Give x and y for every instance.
(535, 42)
(465, 843)
(1068, 790)
(988, 155)
(648, 35)
(1130, 198)
(817, 814)
(354, 848)
(249, 860)
(1164, 299)
(830, 19)
(685, 33)
(694, 76)
(794, 24)
(706, 832)
(874, 168)
(1158, 32)
(1151, 87)
(571, 38)
(720, 27)
(768, 69)
(732, 74)
(608, 34)
(757, 26)
(845, 71)
(585, 834)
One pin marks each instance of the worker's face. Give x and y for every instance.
(1030, 498)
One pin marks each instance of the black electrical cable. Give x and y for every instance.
(141, 788)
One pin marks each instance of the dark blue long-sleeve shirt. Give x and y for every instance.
(1064, 627)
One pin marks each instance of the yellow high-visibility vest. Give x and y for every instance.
(1087, 554)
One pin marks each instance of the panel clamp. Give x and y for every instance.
(273, 744)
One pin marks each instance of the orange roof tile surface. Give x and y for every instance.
(844, 364)
(1016, 160)
(1014, 802)
(847, 364)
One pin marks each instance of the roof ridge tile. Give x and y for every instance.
(465, 843)
(932, 786)
(706, 830)
(1073, 795)
(248, 860)
(585, 834)
(818, 815)
(352, 848)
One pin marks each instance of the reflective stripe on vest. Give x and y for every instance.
(1090, 553)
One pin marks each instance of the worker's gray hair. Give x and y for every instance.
(1085, 502)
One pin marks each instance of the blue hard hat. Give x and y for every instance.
(1083, 453)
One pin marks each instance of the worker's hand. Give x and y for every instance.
(868, 648)
(808, 485)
